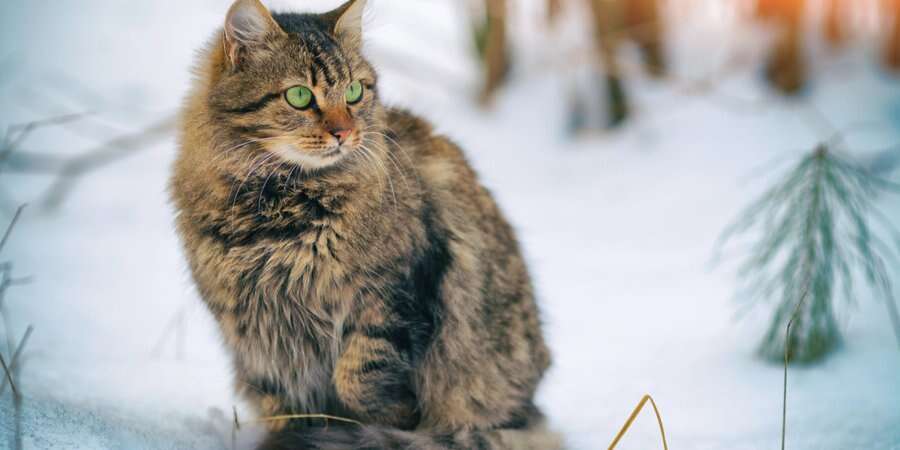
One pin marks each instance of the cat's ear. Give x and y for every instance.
(247, 26)
(346, 21)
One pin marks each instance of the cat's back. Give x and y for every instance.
(484, 247)
(438, 163)
(464, 207)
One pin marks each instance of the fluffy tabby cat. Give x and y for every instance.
(354, 263)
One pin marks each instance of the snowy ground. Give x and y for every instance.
(619, 229)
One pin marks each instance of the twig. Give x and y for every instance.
(22, 131)
(6, 279)
(235, 428)
(9, 377)
(105, 153)
(17, 355)
(787, 348)
(12, 224)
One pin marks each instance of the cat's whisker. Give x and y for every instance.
(242, 145)
(262, 190)
(290, 176)
(392, 159)
(370, 162)
(249, 174)
(256, 159)
(300, 166)
(223, 154)
(375, 164)
(394, 141)
(385, 171)
(378, 131)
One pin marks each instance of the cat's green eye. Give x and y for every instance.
(354, 92)
(299, 97)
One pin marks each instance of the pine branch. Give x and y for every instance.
(816, 236)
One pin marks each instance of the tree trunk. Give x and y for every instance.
(496, 63)
(892, 43)
(554, 7)
(786, 66)
(835, 34)
(767, 9)
(608, 17)
(644, 24)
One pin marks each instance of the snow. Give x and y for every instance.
(619, 229)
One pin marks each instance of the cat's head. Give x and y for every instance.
(296, 85)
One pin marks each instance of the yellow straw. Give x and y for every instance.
(633, 416)
(612, 446)
(305, 416)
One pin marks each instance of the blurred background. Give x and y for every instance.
(686, 177)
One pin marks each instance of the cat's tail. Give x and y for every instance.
(536, 437)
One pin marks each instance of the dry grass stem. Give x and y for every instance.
(325, 417)
(9, 377)
(12, 224)
(14, 363)
(633, 416)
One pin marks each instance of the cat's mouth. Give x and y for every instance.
(333, 152)
(311, 159)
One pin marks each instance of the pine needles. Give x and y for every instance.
(818, 232)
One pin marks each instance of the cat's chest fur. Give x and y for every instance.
(293, 295)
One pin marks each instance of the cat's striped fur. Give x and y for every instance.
(375, 280)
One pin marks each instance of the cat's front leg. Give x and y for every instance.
(373, 376)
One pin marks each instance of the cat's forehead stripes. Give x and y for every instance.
(326, 58)
(320, 50)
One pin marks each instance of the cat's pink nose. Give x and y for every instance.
(341, 134)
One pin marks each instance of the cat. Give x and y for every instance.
(352, 260)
